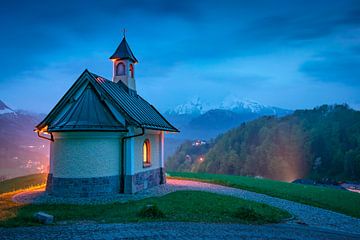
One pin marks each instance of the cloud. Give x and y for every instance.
(303, 26)
(341, 67)
(44, 31)
(165, 36)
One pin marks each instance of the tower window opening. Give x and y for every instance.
(120, 69)
(132, 70)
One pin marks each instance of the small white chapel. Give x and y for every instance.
(104, 137)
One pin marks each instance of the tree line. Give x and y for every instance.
(321, 144)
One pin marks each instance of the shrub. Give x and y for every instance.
(151, 211)
(247, 214)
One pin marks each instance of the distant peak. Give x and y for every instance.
(194, 106)
(5, 109)
(235, 103)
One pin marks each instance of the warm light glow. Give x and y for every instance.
(146, 152)
(168, 132)
(43, 130)
(131, 70)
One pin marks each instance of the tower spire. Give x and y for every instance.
(123, 64)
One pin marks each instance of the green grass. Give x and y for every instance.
(182, 206)
(333, 199)
(22, 182)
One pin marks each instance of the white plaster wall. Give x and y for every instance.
(155, 143)
(85, 154)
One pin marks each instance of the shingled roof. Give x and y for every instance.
(123, 51)
(102, 106)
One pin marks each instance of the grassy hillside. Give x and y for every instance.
(322, 144)
(336, 200)
(185, 206)
(22, 182)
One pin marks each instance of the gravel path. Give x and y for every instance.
(170, 231)
(306, 217)
(304, 214)
(39, 196)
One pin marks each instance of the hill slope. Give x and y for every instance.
(323, 143)
(24, 182)
(22, 152)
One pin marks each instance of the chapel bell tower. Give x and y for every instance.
(124, 65)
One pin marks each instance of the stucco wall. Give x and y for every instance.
(155, 143)
(85, 155)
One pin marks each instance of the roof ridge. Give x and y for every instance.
(95, 76)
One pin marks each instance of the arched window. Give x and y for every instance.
(132, 70)
(120, 69)
(146, 153)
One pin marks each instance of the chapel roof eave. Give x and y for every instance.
(86, 130)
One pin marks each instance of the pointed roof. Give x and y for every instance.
(134, 105)
(87, 113)
(123, 51)
(99, 107)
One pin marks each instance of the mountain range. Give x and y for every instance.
(199, 120)
(196, 107)
(21, 151)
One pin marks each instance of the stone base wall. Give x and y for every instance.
(101, 186)
(82, 187)
(144, 180)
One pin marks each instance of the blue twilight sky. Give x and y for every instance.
(291, 54)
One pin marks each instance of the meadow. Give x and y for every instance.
(181, 206)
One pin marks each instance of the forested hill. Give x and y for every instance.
(323, 143)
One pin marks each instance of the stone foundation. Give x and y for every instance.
(100, 186)
(82, 187)
(144, 180)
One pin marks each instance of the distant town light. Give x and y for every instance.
(198, 143)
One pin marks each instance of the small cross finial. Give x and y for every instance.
(124, 32)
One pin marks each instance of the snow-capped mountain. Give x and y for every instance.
(193, 107)
(197, 107)
(5, 109)
(236, 105)
(249, 106)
